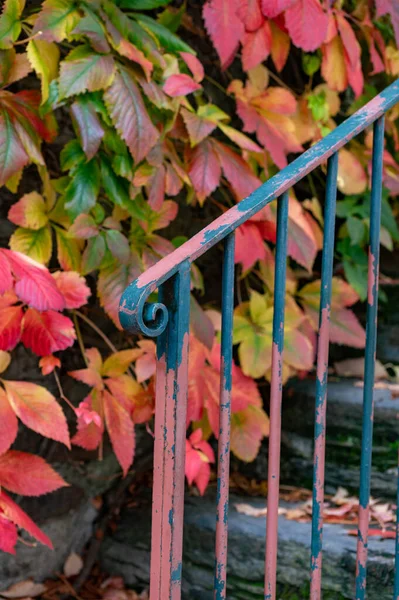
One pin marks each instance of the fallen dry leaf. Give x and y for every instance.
(22, 589)
(73, 565)
(354, 367)
(252, 511)
(383, 385)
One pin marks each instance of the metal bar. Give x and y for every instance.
(321, 380)
(244, 210)
(396, 574)
(369, 364)
(276, 390)
(222, 513)
(170, 440)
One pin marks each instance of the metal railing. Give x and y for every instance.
(168, 320)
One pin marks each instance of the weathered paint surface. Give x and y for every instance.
(168, 319)
(276, 390)
(321, 380)
(369, 365)
(170, 440)
(222, 510)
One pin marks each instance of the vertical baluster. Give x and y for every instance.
(396, 575)
(170, 440)
(276, 390)
(224, 419)
(321, 380)
(369, 365)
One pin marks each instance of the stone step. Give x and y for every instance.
(125, 552)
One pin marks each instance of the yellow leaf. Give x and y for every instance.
(333, 67)
(118, 363)
(5, 359)
(44, 58)
(29, 212)
(37, 244)
(352, 178)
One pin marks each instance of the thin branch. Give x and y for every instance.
(80, 339)
(61, 391)
(96, 329)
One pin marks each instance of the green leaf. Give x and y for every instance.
(98, 214)
(255, 355)
(72, 155)
(168, 40)
(88, 126)
(91, 26)
(171, 18)
(44, 57)
(116, 188)
(82, 192)
(37, 244)
(387, 217)
(84, 71)
(311, 63)
(68, 251)
(257, 306)
(56, 19)
(356, 230)
(129, 115)
(356, 275)
(10, 24)
(118, 246)
(93, 254)
(142, 4)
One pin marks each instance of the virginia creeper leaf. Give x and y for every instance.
(35, 243)
(47, 332)
(81, 194)
(56, 19)
(93, 254)
(27, 474)
(118, 245)
(88, 125)
(29, 211)
(10, 326)
(44, 58)
(38, 410)
(120, 429)
(204, 169)
(111, 283)
(307, 24)
(10, 25)
(13, 512)
(224, 27)
(8, 423)
(73, 287)
(83, 71)
(168, 40)
(68, 251)
(180, 85)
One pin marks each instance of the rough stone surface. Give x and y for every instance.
(126, 552)
(68, 532)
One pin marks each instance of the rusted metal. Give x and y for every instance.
(168, 319)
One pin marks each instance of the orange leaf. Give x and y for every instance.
(120, 429)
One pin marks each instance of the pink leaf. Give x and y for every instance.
(256, 46)
(250, 14)
(272, 8)
(180, 85)
(194, 65)
(27, 474)
(90, 428)
(48, 364)
(121, 431)
(249, 246)
(307, 24)
(224, 27)
(73, 287)
(237, 171)
(34, 285)
(13, 512)
(47, 332)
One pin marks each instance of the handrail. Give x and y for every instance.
(151, 320)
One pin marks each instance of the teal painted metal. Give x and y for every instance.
(168, 319)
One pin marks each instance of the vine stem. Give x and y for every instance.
(96, 329)
(80, 339)
(61, 391)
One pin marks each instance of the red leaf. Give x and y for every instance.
(197, 127)
(256, 46)
(13, 512)
(237, 171)
(249, 245)
(27, 474)
(38, 410)
(352, 55)
(73, 287)
(194, 65)
(90, 427)
(129, 115)
(272, 8)
(8, 535)
(120, 429)
(48, 364)
(204, 169)
(6, 278)
(307, 24)
(10, 326)
(180, 85)
(47, 332)
(8, 423)
(34, 284)
(224, 27)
